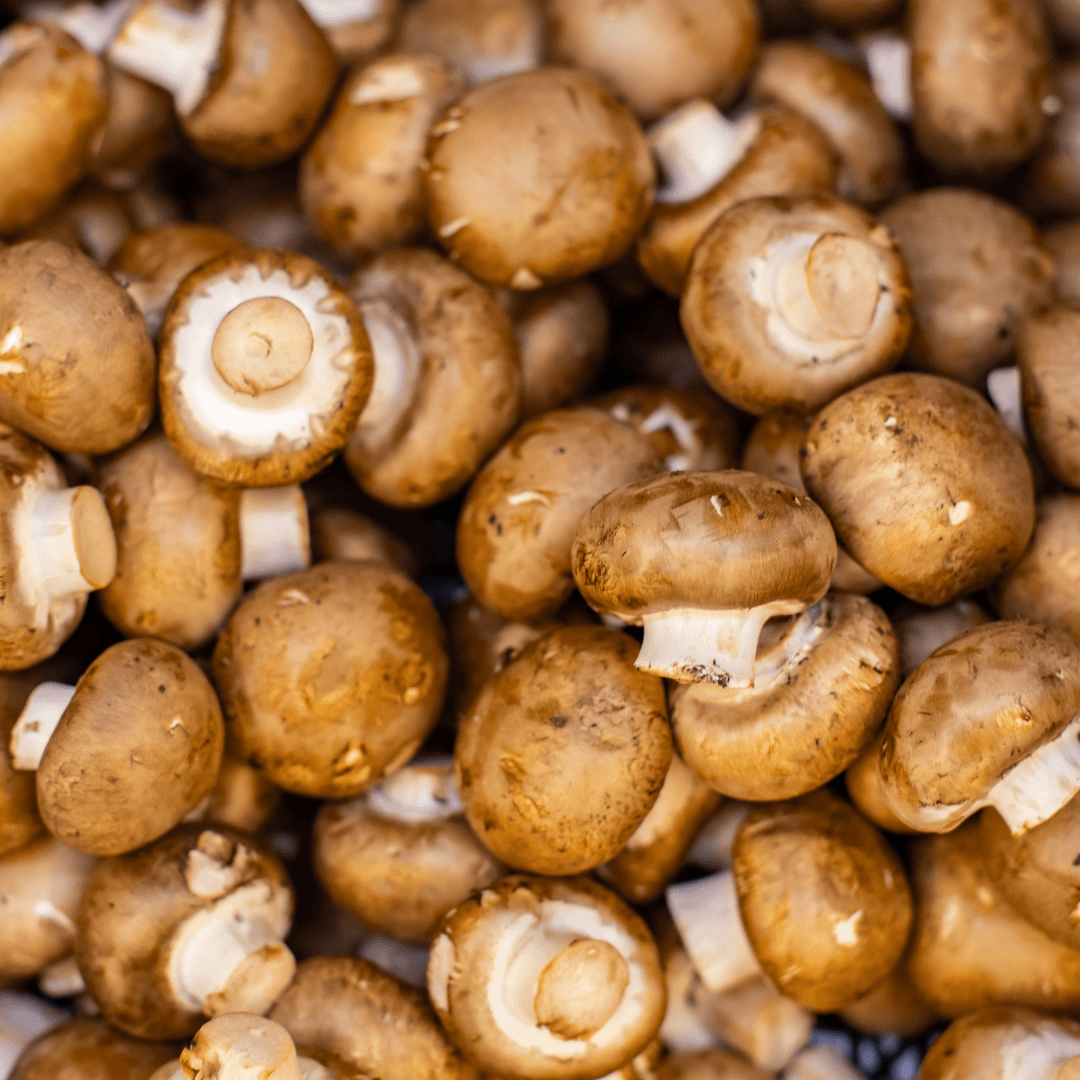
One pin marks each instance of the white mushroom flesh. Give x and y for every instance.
(422, 791)
(1031, 1056)
(22, 1019)
(1003, 387)
(274, 534)
(683, 430)
(38, 720)
(887, 55)
(756, 1019)
(524, 56)
(686, 1027)
(820, 1063)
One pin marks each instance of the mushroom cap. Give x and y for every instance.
(456, 393)
(707, 1065)
(86, 1049)
(1063, 242)
(68, 330)
(922, 630)
(789, 735)
(339, 533)
(656, 544)
(242, 797)
(863, 783)
(977, 268)
(137, 749)
(538, 178)
(970, 713)
(19, 819)
(523, 507)
(824, 899)
(923, 483)
(893, 1007)
(276, 436)
(352, 1009)
(140, 129)
(331, 677)
(742, 334)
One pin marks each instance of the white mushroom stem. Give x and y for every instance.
(755, 1018)
(38, 720)
(402, 960)
(332, 13)
(686, 1027)
(712, 846)
(820, 1063)
(684, 431)
(62, 979)
(1003, 386)
(72, 544)
(274, 534)
(706, 914)
(1038, 1056)
(22, 1019)
(92, 25)
(422, 791)
(888, 59)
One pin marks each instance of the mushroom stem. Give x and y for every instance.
(331, 13)
(755, 1018)
(38, 720)
(888, 59)
(422, 791)
(92, 25)
(1003, 386)
(684, 430)
(274, 535)
(241, 1047)
(62, 979)
(72, 542)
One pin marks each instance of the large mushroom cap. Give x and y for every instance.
(88, 1049)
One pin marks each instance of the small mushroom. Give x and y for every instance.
(924, 484)
(188, 927)
(447, 382)
(400, 856)
(332, 677)
(923, 630)
(127, 752)
(339, 533)
(563, 752)
(647, 553)
(790, 302)
(87, 1049)
(1063, 243)
(514, 191)
(708, 1065)
(893, 1007)
(23, 1017)
(355, 29)
(540, 979)
(243, 1046)
(265, 368)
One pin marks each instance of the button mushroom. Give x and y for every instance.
(87, 1049)
(242, 1046)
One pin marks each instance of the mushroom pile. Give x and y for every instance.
(598, 601)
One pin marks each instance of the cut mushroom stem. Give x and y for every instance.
(579, 990)
(37, 722)
(73, 545)
(396, 376)
(241, 1047)
(426, 791)
(274, 534)
(1003, 387)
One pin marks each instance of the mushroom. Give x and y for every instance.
(893, 1007)
(87, 1049)
(518, 520)
(332, 677)
(886, 52)
(657, 54)
(248, 80)
(347, 1007)
(139, 127)
(980, 72)
(265, 367)
(923, 483)
(447, 383)
(355, 29)
(1051, 183)
(708, 1065)
(820, 1063)
(23, 1017)
(1002, 730)
(922, 630)
(1063, 243)
(646, 553)
(361, 180)
(95, 220)
(242, 797)
(400, 856)
(563, 752)
(839, 99)
(76, 362)
(57, 547)
(790, 302)
(863, 783)
(851, 12)
(188, 927)
(709, 163)
(127, 752)
(978, 269)
(19, 819)
(514, 190)
(541, 979)
(338, 533)
(242, 1046)
(185, 543)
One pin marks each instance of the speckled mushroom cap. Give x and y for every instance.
(447, 382)
(352, 1009)
(978, 268)
(650, 551)
(563, 752)
(265, 368)
(53, 101)
(67, 330)
(538, 178)
(541, 979)
(331, 677)
(797, 730)
(824, 899)
(1004, 1043)
(88, 1049)
(923, 483)
(707, 1065)
(523, 507)
(789, 302)
(991, 718)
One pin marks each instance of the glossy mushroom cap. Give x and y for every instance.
(700, 625)
(86, 1049)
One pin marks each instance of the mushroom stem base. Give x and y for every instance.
(40, 716)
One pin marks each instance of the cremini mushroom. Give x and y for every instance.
(924, 484)
(340, 533)
(88, 1049)
(893, 1007)
(332, 677)
(514, 190)
(647, 552)
(19, 818)
(242, 797)
(400, 856)
(447, 381)
(922, 630)
(522, 509)
(248, 80)
(790, 302)
(1063, 242)
(541, 979)
(355, 29)
(23, 1017)
(190, 926)
(863, 782)
(127, 752)
(563, 752)
(708, 1065)
(265, 368)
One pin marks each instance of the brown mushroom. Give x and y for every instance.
(708, 1065)
(139, 129)
(356, 28)
(241, 798)
(87, 1049)
(863, 782)
(893, 1007)
(1063, 243)
(339, 533)
(243, 1046)
(23, 1017)
(923, 630)
(822, 1062)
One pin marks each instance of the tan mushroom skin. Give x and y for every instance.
(89, 1049)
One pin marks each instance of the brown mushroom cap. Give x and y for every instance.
(241, 1046)
(923, 483)
(140, 129)
(824, 899)
(893, 1007)
(863, 782)
(789, 302)
(707, 1065)
(977, 270)
(922, 630)
(78, 365)
(331, 677)
(242, 797)
(518, 520)
(1063, 243)
(339, 533)
(350, 1008)
(355, 30)
(86, 1049)
(538, 178)
(19, 819)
